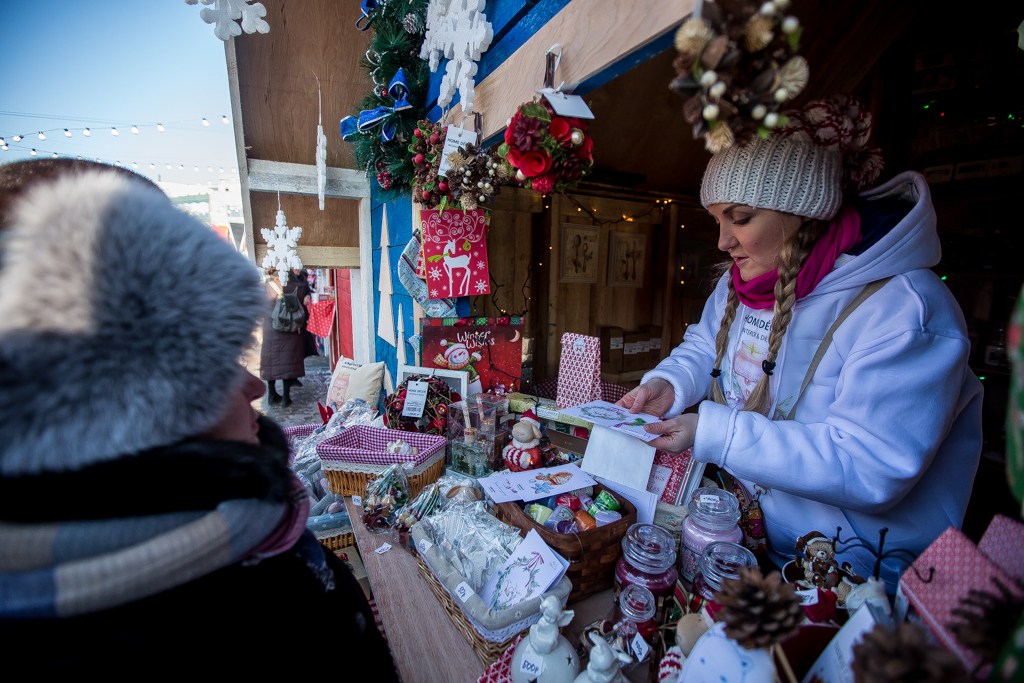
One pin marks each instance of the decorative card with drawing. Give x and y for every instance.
(535, 484)
(455, 252)
(614, 417)
(528, 572)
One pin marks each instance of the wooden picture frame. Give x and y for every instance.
(458, 380)
(580, 244)
(626, 254)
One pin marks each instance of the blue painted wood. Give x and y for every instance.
(399, 212)
(462, 306)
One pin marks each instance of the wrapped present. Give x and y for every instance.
(489, 349)
(1003, 543)
(579, 370)
(321, 318)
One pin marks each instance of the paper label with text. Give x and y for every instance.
(532, 665)
(464, 591)
(415, 399)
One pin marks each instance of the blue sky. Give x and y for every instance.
(96, 64)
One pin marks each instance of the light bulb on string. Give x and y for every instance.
(135, 129)
(152, 165)
(33, 152)
(135, 165)
(2, 141)
(67, 133)
(41, 136)
(79, 158)
(113, 131)
(205, 122)
(168, 167)
(98, 160)
(86, 132)
(4, 147)
(209, 169)
(160, 127)
(17, 138)
(234, 170)
(196, 169)
(224, 120)
(117, 163)
(221, 169)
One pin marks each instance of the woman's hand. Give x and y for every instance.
(677, 434)
(654, 398)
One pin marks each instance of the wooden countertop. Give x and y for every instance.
(424, 642)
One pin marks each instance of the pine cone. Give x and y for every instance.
(903, 656)
(758, 611)
(412, 23)
(568, 169)
(719, 138)
(988, 620)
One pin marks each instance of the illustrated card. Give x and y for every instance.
(535, 484)
(605, 414)
(528, 572)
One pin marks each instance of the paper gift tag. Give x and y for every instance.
(808, 597)
(639, 646)
(532, 665)
(424, 545)
(357, 501)
(455, 137)
(569, 105)
(455, 251)
(464, 591)
(383, 549)
(415, 399)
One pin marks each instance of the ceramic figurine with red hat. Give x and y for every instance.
(524, 451)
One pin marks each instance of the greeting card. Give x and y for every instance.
(527, 573)
(605, 414)
(535, 484)
(455, 252)
(489, 349)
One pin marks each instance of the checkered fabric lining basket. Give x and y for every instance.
(611, 392)
(368, 445)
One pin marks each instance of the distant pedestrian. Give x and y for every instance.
(282, 354)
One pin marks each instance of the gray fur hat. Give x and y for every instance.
(122, 322)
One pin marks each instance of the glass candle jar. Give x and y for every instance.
(719, 561)
(714, 516)
(648, 560)
(634, 613)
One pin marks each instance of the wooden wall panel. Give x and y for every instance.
(336, 226)
(277, 85)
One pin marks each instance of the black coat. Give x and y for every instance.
(282, 355)
(274, 617)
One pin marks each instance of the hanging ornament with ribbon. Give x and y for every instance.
(368, 119)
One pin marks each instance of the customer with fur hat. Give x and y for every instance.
(878, 425)
(148, 517)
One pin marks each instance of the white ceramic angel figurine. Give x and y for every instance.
(604, 663)
(545, 656)
(544, 634)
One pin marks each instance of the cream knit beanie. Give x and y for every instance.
(786, 172)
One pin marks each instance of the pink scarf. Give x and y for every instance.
(843, 232)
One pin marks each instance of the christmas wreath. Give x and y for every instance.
(737, 65)
(381, 127)
(544, 151)
(435, 412)
(472, 181)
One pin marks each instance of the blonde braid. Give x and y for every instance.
(715, 392)
(792, 257)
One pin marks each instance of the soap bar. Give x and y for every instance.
(559, 514)
(539, 513)
(570, 501)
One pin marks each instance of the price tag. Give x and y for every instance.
(569, 105)
(415, 399)
(464, 591)
(424, 545)
(357, 501)
(656, 343)
(454, 138)
(383, 549)
(640, 647)
(547, 413)
(531, 665)
(579, 346)
(708, 499)
(615, 343)
(808, 597)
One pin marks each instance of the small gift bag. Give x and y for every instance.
(579, 370)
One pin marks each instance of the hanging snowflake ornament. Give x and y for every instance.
(281, 241)
(459, 31)
(226, 13)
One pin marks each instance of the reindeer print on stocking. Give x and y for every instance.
(455, 252)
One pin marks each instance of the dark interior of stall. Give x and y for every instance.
(946, 91)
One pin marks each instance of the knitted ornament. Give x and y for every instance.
(903, 655)
(758, 611)
(988, 620)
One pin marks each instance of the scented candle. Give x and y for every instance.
(719, 561)
(648, 560)
(714, 516)
(634, 613)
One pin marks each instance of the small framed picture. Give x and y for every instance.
(626, 259)
(579, 253)
(458, 380)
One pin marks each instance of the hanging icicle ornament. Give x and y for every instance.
(321, 148)
(226, 13)
(281, 242)
(459, 31)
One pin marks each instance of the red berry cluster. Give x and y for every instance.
(426, 150)
(384, 178)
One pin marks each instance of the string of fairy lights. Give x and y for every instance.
(22, 142)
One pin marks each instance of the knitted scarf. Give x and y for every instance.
(842, 234)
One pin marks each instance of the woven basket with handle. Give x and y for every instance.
(592, 554)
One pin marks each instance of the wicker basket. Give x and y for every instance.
(592, 554)
(349, 483)
(485, 650)
(338, 542)
(353, 457)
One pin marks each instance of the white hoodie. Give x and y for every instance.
(888, 432)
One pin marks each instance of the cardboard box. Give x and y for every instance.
(350, 556)
(634, 355)
(611, 348)
(655, 355)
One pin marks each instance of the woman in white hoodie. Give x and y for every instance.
(877, 426)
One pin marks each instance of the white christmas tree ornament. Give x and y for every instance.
(281, 241)
(321, 150)
(385, 318)
(459, 31)
(226, 13)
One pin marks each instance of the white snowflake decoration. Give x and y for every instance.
(281, 241)
(459, 31)
(226, 13)
(435, 273)
(481, 286)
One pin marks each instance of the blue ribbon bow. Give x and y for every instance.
(368, 118)
(364, 21)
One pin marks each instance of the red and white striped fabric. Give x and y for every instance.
(368, 445)
(321, 318)
(579, 370)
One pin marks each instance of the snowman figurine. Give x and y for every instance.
(605, 663)
(545, 656)
(524, 451)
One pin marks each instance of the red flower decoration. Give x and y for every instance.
(586, 150)
(543, 184)
(510, 131)
(535, 163)
(515, 157)
(560, 129)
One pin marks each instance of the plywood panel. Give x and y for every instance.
(278, 89)
(336, 226)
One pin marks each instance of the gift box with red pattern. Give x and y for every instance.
(579, 370)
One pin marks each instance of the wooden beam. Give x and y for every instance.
(596, 33)
(279, 176)
(248, 243)
(320, 257)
